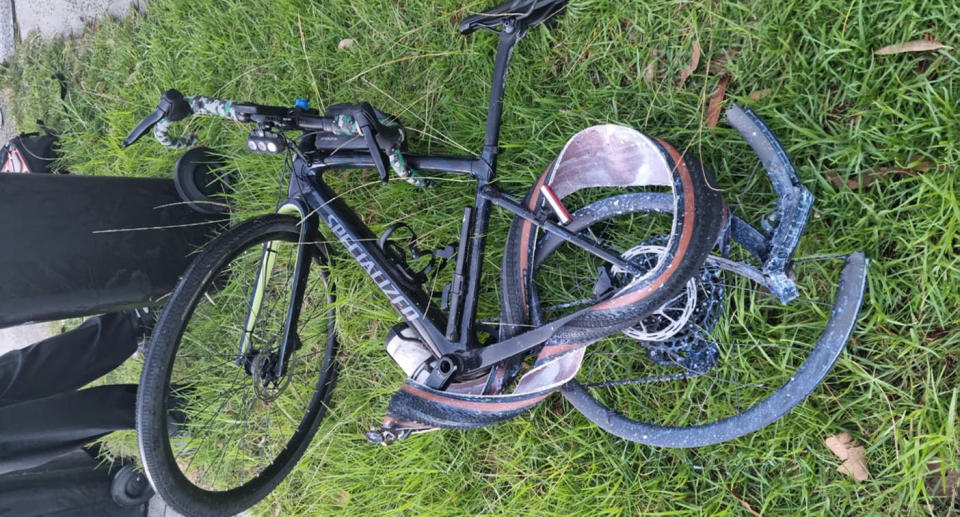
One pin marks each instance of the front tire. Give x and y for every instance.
(216, 432)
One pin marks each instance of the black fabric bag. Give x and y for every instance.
(81, 245)
(30, 153)
(75, 484)
(34, 153)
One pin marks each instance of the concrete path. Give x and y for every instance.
(18, 337)
(6, 29)
(52, 18)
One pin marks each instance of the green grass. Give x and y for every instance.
(837, 108)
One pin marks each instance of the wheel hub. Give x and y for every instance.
(266, 385)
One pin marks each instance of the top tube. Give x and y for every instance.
(425, 163)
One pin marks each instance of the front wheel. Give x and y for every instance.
(218, 424)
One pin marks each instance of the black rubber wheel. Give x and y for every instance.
(239, 428)
(199, 184)
(130, 487)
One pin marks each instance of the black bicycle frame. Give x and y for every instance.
(452, 336)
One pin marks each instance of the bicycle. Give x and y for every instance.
(578, 275)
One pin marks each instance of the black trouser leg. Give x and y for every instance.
(75, 484)
(36, 431)
(68, 361)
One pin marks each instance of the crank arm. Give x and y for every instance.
(480, 359)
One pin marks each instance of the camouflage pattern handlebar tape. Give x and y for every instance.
(346, 125)
(201, 105)
(600, 156)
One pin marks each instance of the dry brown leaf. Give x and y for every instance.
(345, 44)
(736, 495)
(945, 486)
(749, 508)
(718, 65)
(715, 108)
(853, 456)
(868, 178)
(917, 162)
(920, 45)
(746, 505)
(759, 94)
(694, 63)
(650, 73)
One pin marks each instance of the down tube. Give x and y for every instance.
(407, 298)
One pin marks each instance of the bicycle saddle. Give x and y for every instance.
(527, 14)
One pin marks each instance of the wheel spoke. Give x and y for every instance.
(714, 350)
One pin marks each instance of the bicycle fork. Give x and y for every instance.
(308, 229)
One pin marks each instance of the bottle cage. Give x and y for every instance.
(397, 253)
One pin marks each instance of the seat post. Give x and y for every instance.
(509, 36)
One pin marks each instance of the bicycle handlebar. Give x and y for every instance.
(359, 121)
(173, 106)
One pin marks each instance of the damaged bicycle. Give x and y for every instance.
(627, 284)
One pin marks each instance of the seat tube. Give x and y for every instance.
(508, 39)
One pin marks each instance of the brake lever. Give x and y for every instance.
(369, 125)
(172, 106)
(143, 127)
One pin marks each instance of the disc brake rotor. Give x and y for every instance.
(676, 334)
(265, 385)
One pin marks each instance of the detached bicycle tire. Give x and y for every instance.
(176, 434)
